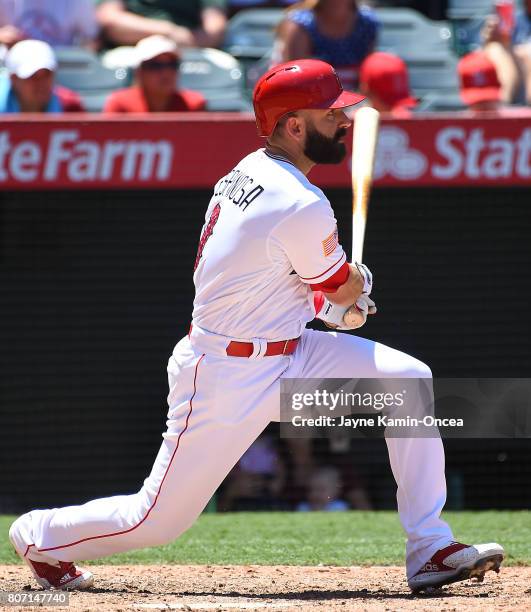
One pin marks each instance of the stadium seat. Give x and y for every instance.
(432, 73)
(404, 30)
(255, 71)
(217, 75)
(250, 33)
(469, 9)
(81, 71)
(466, 35)
(440, 102)
(75, 58)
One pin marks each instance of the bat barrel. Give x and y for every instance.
(365, 136)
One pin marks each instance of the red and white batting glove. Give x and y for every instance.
(366, 274)
(356, 315)
(344, 318)
(350, 317)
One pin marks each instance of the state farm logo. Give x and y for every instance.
(477, 155)
(78, 159)
(455, 152)
(395, 157)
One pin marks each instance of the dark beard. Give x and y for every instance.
(322, 149)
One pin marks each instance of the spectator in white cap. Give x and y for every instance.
(30, 88)
(157, 67)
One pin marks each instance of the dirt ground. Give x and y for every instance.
(282, 588)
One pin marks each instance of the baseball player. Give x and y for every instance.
(269, 260)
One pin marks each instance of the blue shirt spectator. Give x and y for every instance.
(9, 102)
(522, 27)
(29, 86)
(352, 48)
(336, 31)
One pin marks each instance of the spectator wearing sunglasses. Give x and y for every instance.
(157, 61)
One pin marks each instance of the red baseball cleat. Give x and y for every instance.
(457, 562)
(66, 576)
(48, 572)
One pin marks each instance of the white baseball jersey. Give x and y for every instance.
(269, 235)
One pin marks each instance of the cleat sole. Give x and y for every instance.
(477, 571)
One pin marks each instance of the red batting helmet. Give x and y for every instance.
(295, 86)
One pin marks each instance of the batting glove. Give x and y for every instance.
(356, 315)
(366, 274)
(344, 318)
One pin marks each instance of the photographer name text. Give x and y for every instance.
(380, 421)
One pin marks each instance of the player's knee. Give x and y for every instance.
(414, 368)
(165, 529)
(161, 533)
(423, 369)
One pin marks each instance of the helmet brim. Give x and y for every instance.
(347, 98)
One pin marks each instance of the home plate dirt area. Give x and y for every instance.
(258, 587)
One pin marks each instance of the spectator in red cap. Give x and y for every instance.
(479, 83)
(481, 89)
(385, 81)
(157, 61)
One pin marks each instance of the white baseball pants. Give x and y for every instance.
(218, 405)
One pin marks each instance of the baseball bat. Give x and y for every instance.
(365, 137)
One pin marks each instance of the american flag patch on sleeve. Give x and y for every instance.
(330, 243)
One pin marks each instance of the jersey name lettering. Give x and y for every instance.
(238, 188)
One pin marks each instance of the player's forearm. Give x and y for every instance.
(350, 291)
(212, 32)
(125, 28)
(507, 68)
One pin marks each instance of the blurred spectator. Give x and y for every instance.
(323, 492)
(522, 45)
(256, 481)
(189, 23)
(336, 31)
(498, 45)
(57, 22)
(480, 87)
(384, 80)
(30, 88)
(479, 83)
(237, 5)
(157, 60)
(522, 28)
